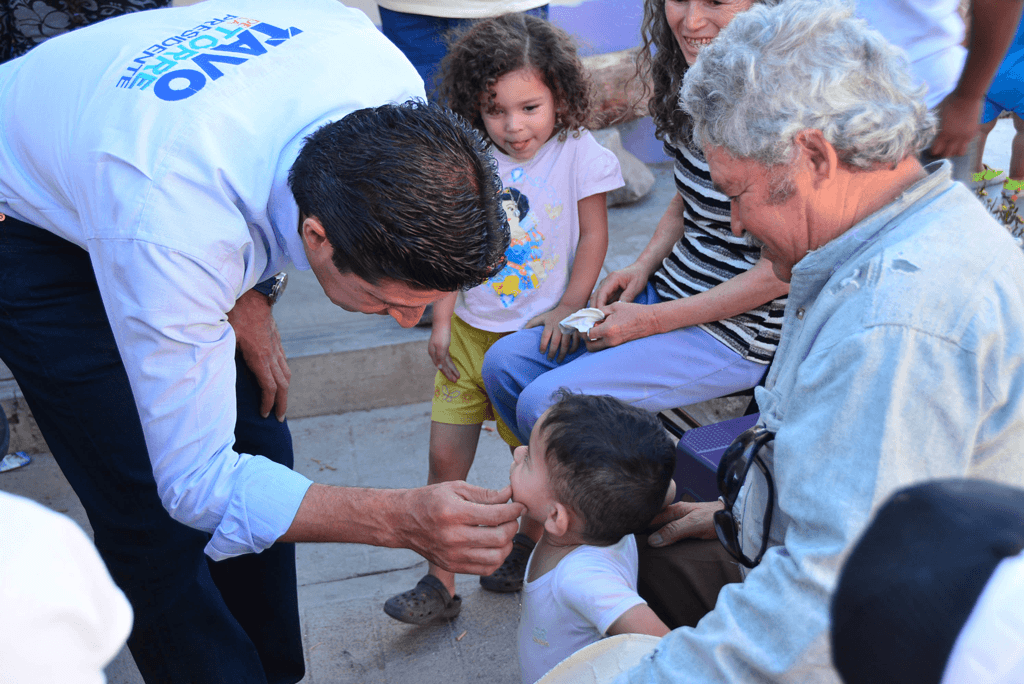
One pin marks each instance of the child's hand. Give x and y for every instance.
(437, 347)
(553, 342)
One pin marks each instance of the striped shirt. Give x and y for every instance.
(708, 254)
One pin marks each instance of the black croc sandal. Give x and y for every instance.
(427, 603)
(509, 577)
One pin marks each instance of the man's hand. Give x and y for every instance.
(461, 527)
(260, 342)
(683, 520)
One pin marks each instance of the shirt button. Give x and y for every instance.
(800, 313)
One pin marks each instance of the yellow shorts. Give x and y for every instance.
(465, 402)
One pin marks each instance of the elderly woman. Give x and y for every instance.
(697, 315)
(902, 357)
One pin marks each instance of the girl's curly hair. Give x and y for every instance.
(490, 48)
(660, 65)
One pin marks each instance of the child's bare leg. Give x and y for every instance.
(452, 450)
(1017, 150)
(983, 131)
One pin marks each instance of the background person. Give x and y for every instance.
(902, 355)
(520, 83)
(932, 33)
(62, 618)
(1006, 94)
(932, 591)
(159, 187)
(698, 299)
(26, 23)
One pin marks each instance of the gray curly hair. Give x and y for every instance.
(806, 64)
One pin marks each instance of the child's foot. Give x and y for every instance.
(426, 603)
(509, 577)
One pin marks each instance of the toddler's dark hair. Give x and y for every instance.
(493, 47)
(608, 461)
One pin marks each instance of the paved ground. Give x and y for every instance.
(347, 636)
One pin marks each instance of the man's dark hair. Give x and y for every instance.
(608, 461)
(405, 192)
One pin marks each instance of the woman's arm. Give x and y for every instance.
(590, 253)
(626, 283)
(625, 321)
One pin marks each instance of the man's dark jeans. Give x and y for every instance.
(196, 621)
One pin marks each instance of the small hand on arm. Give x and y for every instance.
(441, 337)
(590, 253)
(461, 527)
(258, 338)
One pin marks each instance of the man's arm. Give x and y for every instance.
(993, 25)
(461, 527)
(178, 350)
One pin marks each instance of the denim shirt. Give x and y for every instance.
(901, 360)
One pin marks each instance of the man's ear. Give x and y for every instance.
(818, 154)
(313, 234)
(559, 520)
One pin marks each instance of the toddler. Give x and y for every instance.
(596, 471)
(519, 81)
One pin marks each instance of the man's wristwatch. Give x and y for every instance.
(273, 287)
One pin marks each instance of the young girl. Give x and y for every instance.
(519, 81)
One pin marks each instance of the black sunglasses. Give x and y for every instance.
(732, 473)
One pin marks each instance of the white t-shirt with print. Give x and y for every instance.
(574, 604)
(540, 199)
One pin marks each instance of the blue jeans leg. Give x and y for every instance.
(55, 338)
(261, 589)
(423, 39)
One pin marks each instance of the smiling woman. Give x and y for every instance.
(698, 298)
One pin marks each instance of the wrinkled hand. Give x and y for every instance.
(623, 321)
(959, 119)
(683, 520)
(438, 348)
(553, 341)
(260, 342)
(620, 286)
(459, 526)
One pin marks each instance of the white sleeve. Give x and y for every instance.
(168, 313)
(598, 585)
(597, 168)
